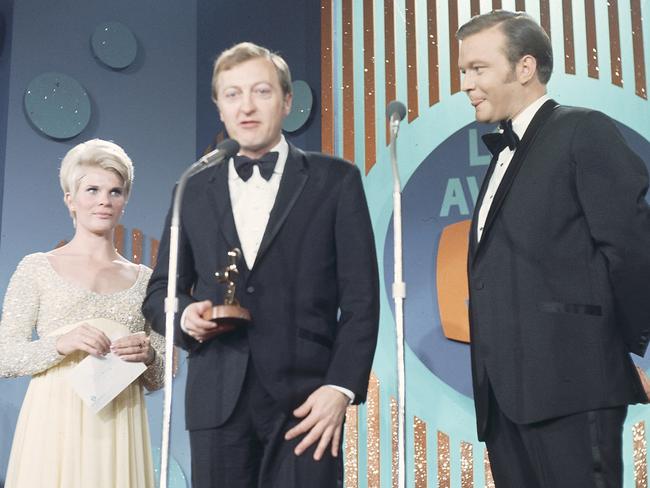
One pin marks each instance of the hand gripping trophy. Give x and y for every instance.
(230, 313)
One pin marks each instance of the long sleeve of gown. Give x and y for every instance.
(20, 354)
(154, 377)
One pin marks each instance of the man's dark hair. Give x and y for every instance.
(524, 37)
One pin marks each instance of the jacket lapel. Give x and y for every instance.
(519, 157)
(293, 181)
(219, 197)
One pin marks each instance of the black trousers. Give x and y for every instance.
(583, 450)
(249, 450)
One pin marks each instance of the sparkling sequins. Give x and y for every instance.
(39, 300)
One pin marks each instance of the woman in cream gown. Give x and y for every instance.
(49, 324)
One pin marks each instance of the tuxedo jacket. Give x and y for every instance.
(312, 291)
(560, 280)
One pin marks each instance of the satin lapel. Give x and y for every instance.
(219, 197)
(536, 124)
(293, 181)
(479, 201)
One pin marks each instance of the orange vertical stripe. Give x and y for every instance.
(520, 5)
(569, 50)
(326, 74)
(118, 239)
(475, 7)
(389, 46)
(153, 255)
(369, 83)
(453, 47)
(545, 16)
(137, 239)
(432, 43)
(411, 61)
(496, 4)
(637, 48)
(614, 43)
(348, 82)
(592, 46)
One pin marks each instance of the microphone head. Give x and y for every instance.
(396, 108)
(228, 148)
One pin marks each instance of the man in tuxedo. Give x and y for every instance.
(265, 402)
(559, 269)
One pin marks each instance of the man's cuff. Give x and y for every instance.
(345, 391)
(183, 321)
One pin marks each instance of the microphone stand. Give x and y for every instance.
(399, 295)
(223, 152)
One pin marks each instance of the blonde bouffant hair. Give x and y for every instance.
(95, 153)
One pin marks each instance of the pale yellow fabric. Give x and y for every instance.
(59, 442)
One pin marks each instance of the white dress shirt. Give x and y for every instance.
(519, 125)
(252, 201)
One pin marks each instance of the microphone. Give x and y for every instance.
(395, 111)
(226, 149)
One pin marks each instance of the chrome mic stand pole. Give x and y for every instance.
(224, 151)
(396, 112)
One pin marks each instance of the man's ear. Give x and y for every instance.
(288, 99)
(526, 69)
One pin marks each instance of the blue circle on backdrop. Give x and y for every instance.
(441, 192)
(114, 45)
(57, 105)
(301, 106)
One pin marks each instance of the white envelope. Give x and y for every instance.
(99, 380)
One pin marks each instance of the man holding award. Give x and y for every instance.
(266, 397)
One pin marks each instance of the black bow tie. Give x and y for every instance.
(498, 141)
(244, 165)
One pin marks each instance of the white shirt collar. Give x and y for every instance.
(282, 148)
(521, 122)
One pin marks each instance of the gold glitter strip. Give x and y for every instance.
(466, 465)
(640, 450)
(444, 466)
(372, 409)
(351, 448)
(420, 452)
(394, 463)
(137, 239)
(489, 481)
(118, 239)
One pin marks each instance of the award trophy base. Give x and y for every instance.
(233, 315)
